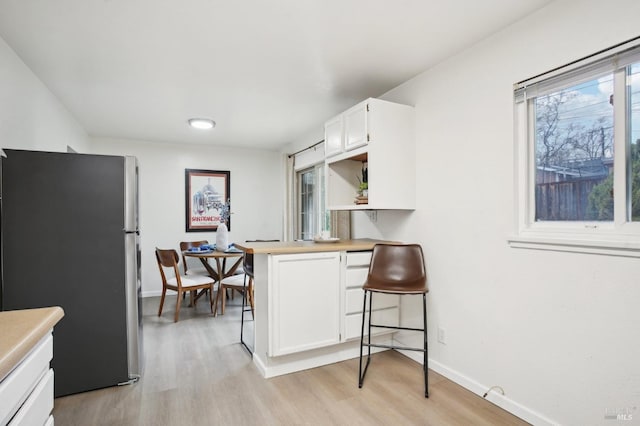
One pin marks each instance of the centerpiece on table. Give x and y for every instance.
(222, 233)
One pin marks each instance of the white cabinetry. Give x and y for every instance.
(304, 302)
(26, 394)
(385, 307)
(356, 128)
(381, 134)
(333, 143)
(315, 300)
(348, 130)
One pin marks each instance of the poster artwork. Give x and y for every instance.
(207, 199)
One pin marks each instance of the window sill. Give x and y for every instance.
(576, 244)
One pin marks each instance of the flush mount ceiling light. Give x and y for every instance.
(202, 123)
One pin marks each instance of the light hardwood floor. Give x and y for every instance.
(197, 373)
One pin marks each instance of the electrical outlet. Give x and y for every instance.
(373, 215)
(442, 336)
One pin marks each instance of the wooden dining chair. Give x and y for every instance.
(168, 262)
(186, 245)
(233, 282)
(242, 284)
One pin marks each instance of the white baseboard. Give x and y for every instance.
(501, 401)
(285, 364)
(152, 293)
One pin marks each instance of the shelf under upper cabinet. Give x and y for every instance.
(359, 154)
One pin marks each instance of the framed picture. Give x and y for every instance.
(207, 199)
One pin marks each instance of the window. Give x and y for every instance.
(578, 156)
(633, 84)
(312, 215)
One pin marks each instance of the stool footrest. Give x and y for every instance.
(396, 327)
(404, 348)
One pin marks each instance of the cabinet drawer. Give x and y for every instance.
(356, 277)
(354, 299)
(37, 408)
(353, 323)
(358, 258)
(17, 386)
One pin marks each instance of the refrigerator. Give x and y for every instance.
(69, 237)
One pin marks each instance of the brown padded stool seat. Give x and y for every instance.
(395, 269)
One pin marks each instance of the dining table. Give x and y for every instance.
(220, 272)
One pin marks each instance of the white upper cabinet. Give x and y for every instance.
(378, 136)
(346, 131)
(355, 126)
(333, 134)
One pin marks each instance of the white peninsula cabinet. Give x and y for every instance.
(379, 135)
(308, 301)
(304, 302)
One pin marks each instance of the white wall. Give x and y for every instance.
(310, 138)
(256, 196)
(558, 331)
(30, 116)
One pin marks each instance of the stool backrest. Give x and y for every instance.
(247, 263)
(397, 268)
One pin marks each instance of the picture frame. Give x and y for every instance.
(207, 199)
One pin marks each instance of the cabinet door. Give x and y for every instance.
(356, 127)
(333, 136)
(304, 302)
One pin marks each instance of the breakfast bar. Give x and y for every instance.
(308, 302)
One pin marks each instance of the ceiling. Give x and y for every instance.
(267, 72)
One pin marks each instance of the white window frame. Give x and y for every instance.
(318, 200)
(310, 158)
(619, 237)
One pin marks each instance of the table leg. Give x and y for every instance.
(212, 273)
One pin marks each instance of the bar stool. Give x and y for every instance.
(247, 294)
(395, 269)
(247, 265)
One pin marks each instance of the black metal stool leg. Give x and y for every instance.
(369, 332)
(426, 353)
(360, 373)
(244, 299)
(368, 344)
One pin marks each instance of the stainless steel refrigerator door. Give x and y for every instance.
(63, 245)
(132, 262)
(134, 311)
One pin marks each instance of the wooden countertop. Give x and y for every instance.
(20, 331)
(291, 247)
